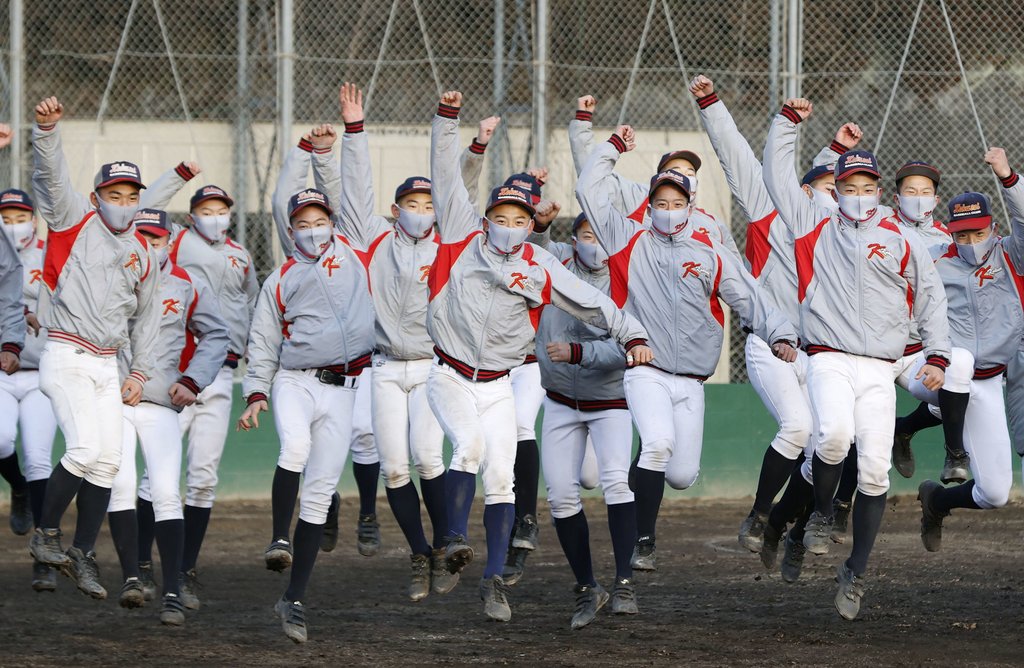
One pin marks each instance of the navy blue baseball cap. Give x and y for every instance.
(16, 199)
(918, 168)
(673, 178)
(969, 211)
(207, 193)
(308, 197)
(854, 162)
(153, 221)
(815, 173)
(580, 219)
(511, 195)
(688, 156)
(118, 172)
(413, 184)
(527, 182)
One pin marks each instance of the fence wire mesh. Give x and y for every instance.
(184, 65)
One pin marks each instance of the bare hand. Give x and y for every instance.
(33, 323)
(849, 135)
(784, 351)
(559, 352)
(351, 98)
(193, 167)
(250, 418)
(539, 173)
(701, 86)
(638, 355)
(452, 98)
(627, 135)
(996, 158)
(486, 129)
(131, 392)
(586, 103)
(181, 396)
(9, 363)
(323, 136)
(547, 211)
(801, 106)
(49, 111)
(6, 135)
(932, 377)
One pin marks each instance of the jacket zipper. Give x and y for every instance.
(487, 320)
(406, 286)
(334, 310)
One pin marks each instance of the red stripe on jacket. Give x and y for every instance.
(758, 247)
(58, 249)
(618, 267)
(447, 256)
(804, 248)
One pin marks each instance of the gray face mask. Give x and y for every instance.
(117, 218)
(975, 254)
(313, 241)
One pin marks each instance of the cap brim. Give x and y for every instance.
(155, 230)
(305, 205)
(121, 179)
(688, 156)
(669, 182)
(522, 205)
(968, 224)
(412, 191)
(18, 205)
(918, 170)
(224, 198)
(858, 170)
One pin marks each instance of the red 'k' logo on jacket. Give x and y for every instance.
(518, 280)
(691, 269)
(37, 275)
(330, 264)
(133, 263)
(234, 261)
(983, 274)
(171, 306)
(876, 250)
(424, 273)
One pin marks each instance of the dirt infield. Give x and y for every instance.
(709, 603)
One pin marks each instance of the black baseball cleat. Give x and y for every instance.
(903, 455)
(21, 513)
(278, 555)
(645, 557)
(419, 587)
(957, 467)
(86, 574)
(818, 534)
(589, 600)
(931, 519)
(752, 531)
(850, 593)
(132, 595)
(526, 533)
(172, 610)
(515, 565)
(329, 537)
(441, 581)
(792, 560)
(146, 578)
(840, 520)
(293, 619)
(770, 546)
(368, 535)
(457, 553)
(44, 578)
(494, 593)
(46, 548)
(188, 590)
(624, 597)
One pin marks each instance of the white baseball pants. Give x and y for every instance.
(156, 429)
(1015, 400)
(987, 441)
(363, 446)
(206, 424)
(529, 395)
(24, 408)
(958, 375)
(783, 390)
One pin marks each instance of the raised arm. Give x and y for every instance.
(473, 157)
(612, 227)
(56, 200)
(1013, 195)
(326, 171)
(290, 180)
(146, 321)
(211, 333)
(456, 215)
(797, 211)
(357, 220)
(159, 193)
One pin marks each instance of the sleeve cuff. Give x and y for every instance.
(575, 353)
(477, 148)
(12, 348)
(838, 147)
(306, 145)
(634, 343)
(936, 360)
(1011, 180)
(354, 128)
(192, 385)
(47, 127)
(707, 100)
(791, 114)
(254, 397)
(231, 361)
(184, 172)
(587, 116)
(618, 143)
(138, 377)
(447, 111)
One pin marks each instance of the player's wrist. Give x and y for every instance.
(584, 115)
(254, 398)
(937, 361)
(12, 348)
(791, 115)
(618, 142)
(189, 384)
(1011, 180)
(478, 147)
(575, 353)
(707, 100)
(354, 127)
(448, 111)
(633, 343)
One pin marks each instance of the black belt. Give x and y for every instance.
(332, 377)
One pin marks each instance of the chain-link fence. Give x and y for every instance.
(217, 80)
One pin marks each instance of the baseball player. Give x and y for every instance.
(486, 291)
(311, 338)
(27, 411)
(984, 279)
(671, 277)
(189, 351)
(98, 274)
(852, 341)
(1015, 401)
(206, 252)
(581, 371)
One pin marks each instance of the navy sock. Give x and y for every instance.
(527, 476)
(797, 530)
(826, 478)
(283, 492)
(920, 418)
(405, 504)
(434, 499)
(498, 521)
(460, 487)
(848, 480)
(867, 519)
(196, 521)
(574, 536)
(60, 490)
(622, 526)
(146, 520)
(36, 494)
(124, 530)
(10, 471)
(366, 476)
(957, 496)
(170, 539)
(775, 469)
(798, 497)
(954, 411)
(306, 544)
(650, 489)
(93, 501)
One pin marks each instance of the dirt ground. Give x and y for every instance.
(709, 603)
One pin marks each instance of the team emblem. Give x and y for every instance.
(876, 250)
(171, 306)
(518, 280)
(424, 273)
(133, 263)
(330, 264)
(984, 274)
(37, 275)
(691, 269)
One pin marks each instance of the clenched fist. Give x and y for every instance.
(701, 86)
(49, 111)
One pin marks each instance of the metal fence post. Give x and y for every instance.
(285, 91)
(241, 156)
(540, 84)
(17, 60)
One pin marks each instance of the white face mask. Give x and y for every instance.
(669, 221)
(313, 241)
(416, 225)
(117, 218)
(161, 255)
(917, 208)
(593, 256)
(506, 240)
(21, 234)
(975, 254)
(693, 188)
(212, 228)
(858, 207)
(824, 200)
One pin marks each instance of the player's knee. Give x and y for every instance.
(992, 495)
(683, 478)
(617, 492)
(959, 372)
(396, 477)
(789, 445)
(466, 455)
(498, 487)
(289, 460)
(314, 510)
(833, 444)
(428, 470)
(872, 480)
(7, 437)
(200, 497)
(656, 455)
(364, 450)
(564, 504)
